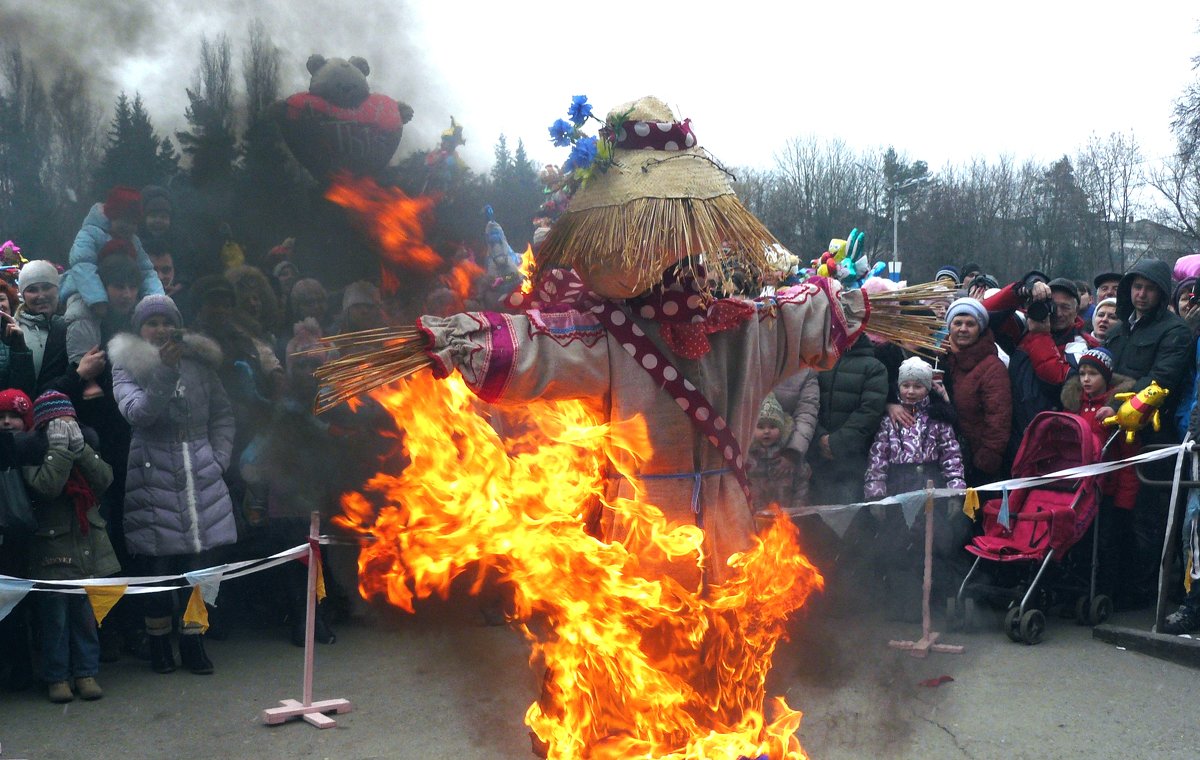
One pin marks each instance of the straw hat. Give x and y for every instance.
(662, 200)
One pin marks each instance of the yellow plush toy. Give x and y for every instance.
(1139, 409)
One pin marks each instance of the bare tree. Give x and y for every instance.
(260, 71)
(213, 80)
(211, 143)
(1177, 179)
(75, 149)
(1109, 171)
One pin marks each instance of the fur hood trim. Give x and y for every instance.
(139, 358)
(1072, 391)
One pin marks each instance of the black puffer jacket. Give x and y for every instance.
(1159, 346)
(853, 398)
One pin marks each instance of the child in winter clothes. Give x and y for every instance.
(110, 229)
(16, 670)
(1085, 394)
(772, 475)
(71, 543)
(1093, 388)
(903, 458)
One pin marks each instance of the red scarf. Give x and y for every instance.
(81, 496)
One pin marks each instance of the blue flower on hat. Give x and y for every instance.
(580, 110)
(561, 132)
(583, 154)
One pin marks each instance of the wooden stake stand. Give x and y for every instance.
(310, 711)
(928, 642)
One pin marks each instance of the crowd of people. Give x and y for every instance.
(161, 423)
(885, 421)
(157, 424)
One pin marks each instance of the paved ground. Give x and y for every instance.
(441, 685)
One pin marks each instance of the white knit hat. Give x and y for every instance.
(917, 370)
(39, 271)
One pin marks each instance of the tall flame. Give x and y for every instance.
(636, 665)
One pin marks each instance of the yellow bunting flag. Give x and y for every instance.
(971, 503)
(196, 613)
(103, 598)
(320, 577)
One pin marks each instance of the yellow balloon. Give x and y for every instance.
(1140, 409)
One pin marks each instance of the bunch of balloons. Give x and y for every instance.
(845, 261)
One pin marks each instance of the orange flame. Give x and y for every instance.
(461, 279)
(392, 217)
(526, 270)
(636, 665)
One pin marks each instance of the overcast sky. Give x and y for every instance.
(942, 82)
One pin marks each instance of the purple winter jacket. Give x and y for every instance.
(176, 501)
(926, 441)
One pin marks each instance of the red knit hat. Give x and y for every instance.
(119, 246)
(123, 203)
(13, 400)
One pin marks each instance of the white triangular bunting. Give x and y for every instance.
(12, 591)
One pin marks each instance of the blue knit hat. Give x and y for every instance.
(51, 405)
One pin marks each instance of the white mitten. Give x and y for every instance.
(58, 433)
(75, 444)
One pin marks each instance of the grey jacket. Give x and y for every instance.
(176, 501)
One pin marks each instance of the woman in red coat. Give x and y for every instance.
(979, 389)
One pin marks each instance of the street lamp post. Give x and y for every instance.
(896, 188)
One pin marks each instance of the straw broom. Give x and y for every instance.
(387, 354)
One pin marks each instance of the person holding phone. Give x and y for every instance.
(178, 513)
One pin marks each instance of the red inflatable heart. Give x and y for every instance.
(326, 138)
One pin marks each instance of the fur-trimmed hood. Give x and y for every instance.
(1072, 391)
(138, 357)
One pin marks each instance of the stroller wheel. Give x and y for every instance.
(1101, 609)
(1033, 625)
(1012, 623)
(1082, 610)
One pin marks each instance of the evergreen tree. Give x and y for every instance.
(515, 193)
(135, 155)
(503, 168)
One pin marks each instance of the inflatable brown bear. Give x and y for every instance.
(339, 124)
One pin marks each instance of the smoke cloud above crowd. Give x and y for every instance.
(152, 47)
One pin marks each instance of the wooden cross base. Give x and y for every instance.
(926, 645)
(929, 637)
(313, 713)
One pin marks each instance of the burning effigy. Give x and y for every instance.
(619, 515)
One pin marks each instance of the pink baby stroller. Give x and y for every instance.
(1037, 527)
